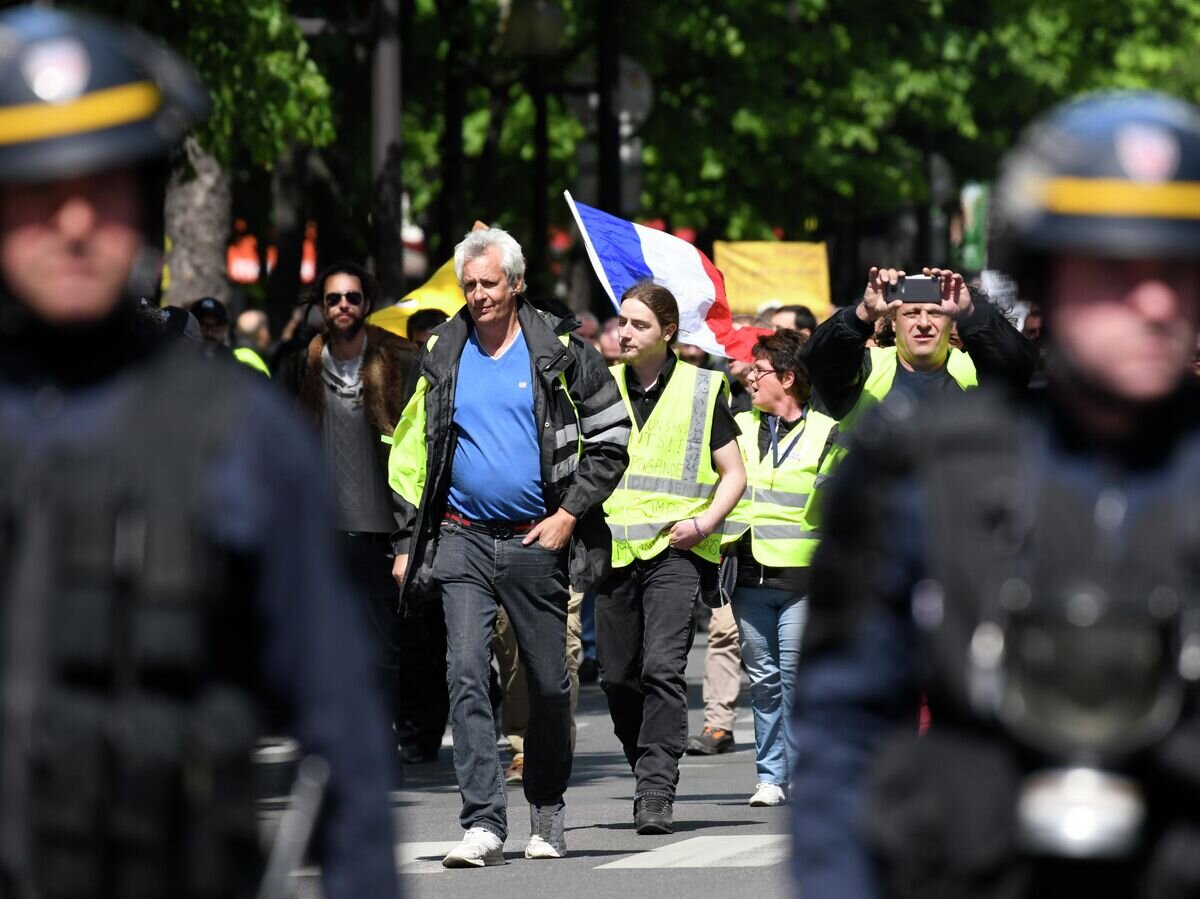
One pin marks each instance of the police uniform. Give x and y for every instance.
(164, 562)
(1034, 580)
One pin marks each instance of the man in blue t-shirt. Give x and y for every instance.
(499, 500)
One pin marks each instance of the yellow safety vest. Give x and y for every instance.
(884, 362)
(774, 503)
(247, 356)
(670, 475)
(408, 457)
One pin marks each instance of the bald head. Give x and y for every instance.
(253, 330)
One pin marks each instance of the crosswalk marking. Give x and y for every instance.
(728, 851)
(422, 858)
(731, 851)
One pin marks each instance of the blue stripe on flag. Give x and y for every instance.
(618, 248)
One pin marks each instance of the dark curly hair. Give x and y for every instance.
(782, 350)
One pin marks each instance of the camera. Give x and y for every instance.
(916, 289)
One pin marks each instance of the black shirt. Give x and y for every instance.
(724, 429)
(924, 383)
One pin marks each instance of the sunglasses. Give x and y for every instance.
(353, 297)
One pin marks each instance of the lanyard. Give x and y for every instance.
(773, 424)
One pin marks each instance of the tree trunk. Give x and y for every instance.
(288, 194)
(198, 216)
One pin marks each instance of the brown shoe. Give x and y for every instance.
(711, 741)
(516, 771)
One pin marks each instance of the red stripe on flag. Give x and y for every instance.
(738, 342)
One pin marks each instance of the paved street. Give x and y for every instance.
(721, 846)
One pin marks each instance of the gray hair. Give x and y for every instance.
(477, 243)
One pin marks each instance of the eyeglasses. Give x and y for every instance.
(353, 297)
(763, 372)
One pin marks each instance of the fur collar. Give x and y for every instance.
(385, 371)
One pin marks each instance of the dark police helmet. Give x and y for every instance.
(79, 94)
(1112, 175)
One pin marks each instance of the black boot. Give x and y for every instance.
(653, 813)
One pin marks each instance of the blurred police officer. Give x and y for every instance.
(164, 557)
(1030, 564)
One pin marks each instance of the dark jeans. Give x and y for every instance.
(645, 622)
(475, 572)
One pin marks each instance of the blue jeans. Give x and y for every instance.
(770, 624)
(476, 571)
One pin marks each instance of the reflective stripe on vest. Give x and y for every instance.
(775, 504)
(670, 475)
(247, 356)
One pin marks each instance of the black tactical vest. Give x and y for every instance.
(999, 528)
(127, 655)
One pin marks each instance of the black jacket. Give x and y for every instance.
(838, 364)
(576, 481)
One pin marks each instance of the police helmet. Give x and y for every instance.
(1112, 175)
(79, 94)
(210, 309)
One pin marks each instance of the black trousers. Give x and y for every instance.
(423, 703)
(370, 569)
(645, 623)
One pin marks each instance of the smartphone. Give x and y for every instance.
(916, 289)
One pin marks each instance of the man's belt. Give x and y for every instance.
(501, 529)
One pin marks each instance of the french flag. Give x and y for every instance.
(624, 253)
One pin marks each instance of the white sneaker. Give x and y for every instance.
(546, 836)
(768, 794)
(479, 847)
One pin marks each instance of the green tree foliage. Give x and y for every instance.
(792, 114)
(267, 91)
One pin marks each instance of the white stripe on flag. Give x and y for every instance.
(676, 265)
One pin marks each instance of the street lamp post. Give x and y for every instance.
(535, 31)
(386, 142)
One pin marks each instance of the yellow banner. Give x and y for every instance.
(441, 292)
(766, 273)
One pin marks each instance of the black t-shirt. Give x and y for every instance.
(723, 430)
(924, 383)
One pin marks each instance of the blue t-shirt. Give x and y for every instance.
(497, 471)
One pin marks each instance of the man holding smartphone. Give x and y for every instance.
(850, 378)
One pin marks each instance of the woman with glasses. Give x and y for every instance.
(783, 440)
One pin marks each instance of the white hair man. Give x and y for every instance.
(513, 438)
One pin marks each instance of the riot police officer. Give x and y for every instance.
(1029, 564)
(164, 567)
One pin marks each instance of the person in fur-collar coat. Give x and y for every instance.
(353, 389)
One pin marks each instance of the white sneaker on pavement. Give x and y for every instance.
(546, 833)
(480, 847)
(768, 794)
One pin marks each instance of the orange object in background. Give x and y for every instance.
(242, 262)
(241, 258)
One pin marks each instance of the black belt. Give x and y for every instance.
(500, 529)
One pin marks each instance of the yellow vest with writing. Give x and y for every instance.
(670, 475)
(775, 501)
